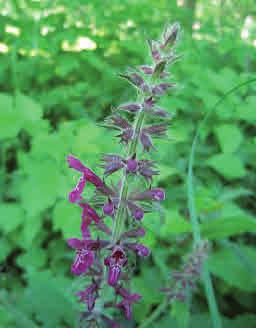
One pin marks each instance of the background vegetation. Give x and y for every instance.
(58, 77)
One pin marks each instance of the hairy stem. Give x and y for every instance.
(120, 215)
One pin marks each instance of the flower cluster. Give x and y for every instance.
(106, 259)
(185, 279)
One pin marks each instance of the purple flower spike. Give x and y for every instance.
(108, 208)
(115, 262)
(137, 123)
(75, 194)
(132, 165)
(84, 258)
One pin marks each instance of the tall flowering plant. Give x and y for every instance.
(107, 260)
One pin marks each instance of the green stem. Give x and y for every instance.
(154, 315)
(120, 215)
(216, 319)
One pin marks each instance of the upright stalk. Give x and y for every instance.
(120, 215)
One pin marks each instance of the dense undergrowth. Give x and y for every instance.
(58, 67)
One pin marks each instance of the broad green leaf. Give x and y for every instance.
(47, 299)
(227, 226)
(66, 218)
(34, 258)
(5, 248)
(228, 165)
(230, 266)
(43, 184)
(180, 311)
(9, 120)
(12, 215)
(28, 110)
(229, 137)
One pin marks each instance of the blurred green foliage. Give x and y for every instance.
(59, 62)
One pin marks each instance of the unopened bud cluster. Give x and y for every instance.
(184, 280)
(106, 260)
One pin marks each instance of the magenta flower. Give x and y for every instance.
(115, 262)
(75, 194)
(84, 258)
(89, 175)
(89, 215)
(85, 249)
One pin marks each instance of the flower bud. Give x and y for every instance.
(132, 165)
(108, 208)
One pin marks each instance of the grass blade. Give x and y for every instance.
(213, 307)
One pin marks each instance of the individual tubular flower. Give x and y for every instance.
(130, 107)
(119, 123)
(115, 262)
(109, 208)
(111, 163)
(154, 194)
(128, 300)
(136, 211)
(140, 249)
(75, 194)
(88, 174)
(89, 295)
(89, 215)
(84, 258)
(136, 80)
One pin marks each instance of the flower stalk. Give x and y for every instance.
(106, 260)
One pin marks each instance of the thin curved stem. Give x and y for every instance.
(216, 319)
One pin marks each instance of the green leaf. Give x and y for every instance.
(11, 215)
(9, 122)
(5, 248)
(66, 218)
(229, 137)
(228, 165)
(43, 184)
(46, 299)
(34, 258)
(227, 226)
(29, 110)
(227, 265)
(180, 311)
